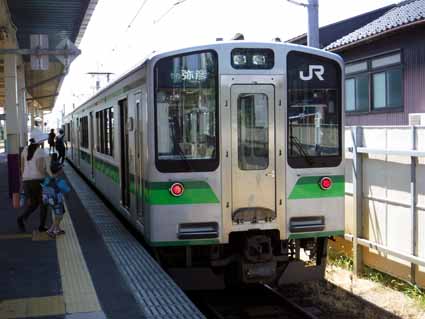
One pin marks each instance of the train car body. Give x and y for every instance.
(227, 157)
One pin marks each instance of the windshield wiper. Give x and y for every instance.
(294, 140)
(182, 156)
(176, 145)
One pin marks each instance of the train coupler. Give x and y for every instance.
(258, 263)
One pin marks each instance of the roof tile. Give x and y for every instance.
(404, 13)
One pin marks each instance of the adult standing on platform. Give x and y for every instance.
(60, 146)
(51, 141)
(33, 168)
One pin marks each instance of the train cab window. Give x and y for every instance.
(253, 132)
(186, 112)
(314, 111)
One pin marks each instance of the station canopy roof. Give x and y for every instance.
(59, 19)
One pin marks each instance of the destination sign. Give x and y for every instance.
(189, 75)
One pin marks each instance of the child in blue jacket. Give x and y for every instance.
(54, 189)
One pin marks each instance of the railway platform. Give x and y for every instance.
(96, 270)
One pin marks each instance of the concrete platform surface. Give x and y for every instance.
(79, 275)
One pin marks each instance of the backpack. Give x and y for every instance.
(53, 194)
(59, 141)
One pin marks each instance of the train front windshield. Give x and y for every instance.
(186, 111)
(314, 111)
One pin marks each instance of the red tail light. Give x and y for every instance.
(177, 189)
(326, 183)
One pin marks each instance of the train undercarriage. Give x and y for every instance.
(249, 258)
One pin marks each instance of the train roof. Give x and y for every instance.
(155, 56)
(245, 44)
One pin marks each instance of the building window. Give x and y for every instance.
(387, 92)
(84, 131)
(374, 84)
(105, 131)
(357, 93)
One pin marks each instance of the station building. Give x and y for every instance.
(94, 268)
(38, 39)
(384, 53)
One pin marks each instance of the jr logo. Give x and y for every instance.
(317, 70)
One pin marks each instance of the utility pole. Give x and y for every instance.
(313, 24)
(313, 21)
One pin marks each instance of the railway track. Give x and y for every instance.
(259, 302)
(255, 302)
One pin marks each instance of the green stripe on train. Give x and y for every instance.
(309, 187)
(85, 156)
(316, 234)
(157, 193)
(195, 192)
(107, 169)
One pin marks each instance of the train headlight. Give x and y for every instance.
(239, 59)
(326, 183)
(258, 59)
(177, 189)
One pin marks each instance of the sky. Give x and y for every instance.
(122, 33)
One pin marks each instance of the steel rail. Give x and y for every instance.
(291, 303)
(260, 302)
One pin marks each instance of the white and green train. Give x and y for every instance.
(227, 157)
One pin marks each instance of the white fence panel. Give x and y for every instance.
(420, 138)
(421, 235)
(388, 217)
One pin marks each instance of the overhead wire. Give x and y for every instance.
(130, 24)
(137, 13)
(109, 54)
(168, 11)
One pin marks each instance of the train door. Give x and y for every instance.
(91, 128)
(253, 153)
(124, 156)
(138, 137)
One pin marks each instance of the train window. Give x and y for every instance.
(105, 131)
(253, 132)
(259, 59)
(314, 111)
(186, 112)
(99, 132)
(84, 131)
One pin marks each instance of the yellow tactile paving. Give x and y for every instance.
(32, 307)
(15, 308)
(45, 306)
(15, 236)
(78, 290)
(36, 236)
(79, 295)
(40, 236)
